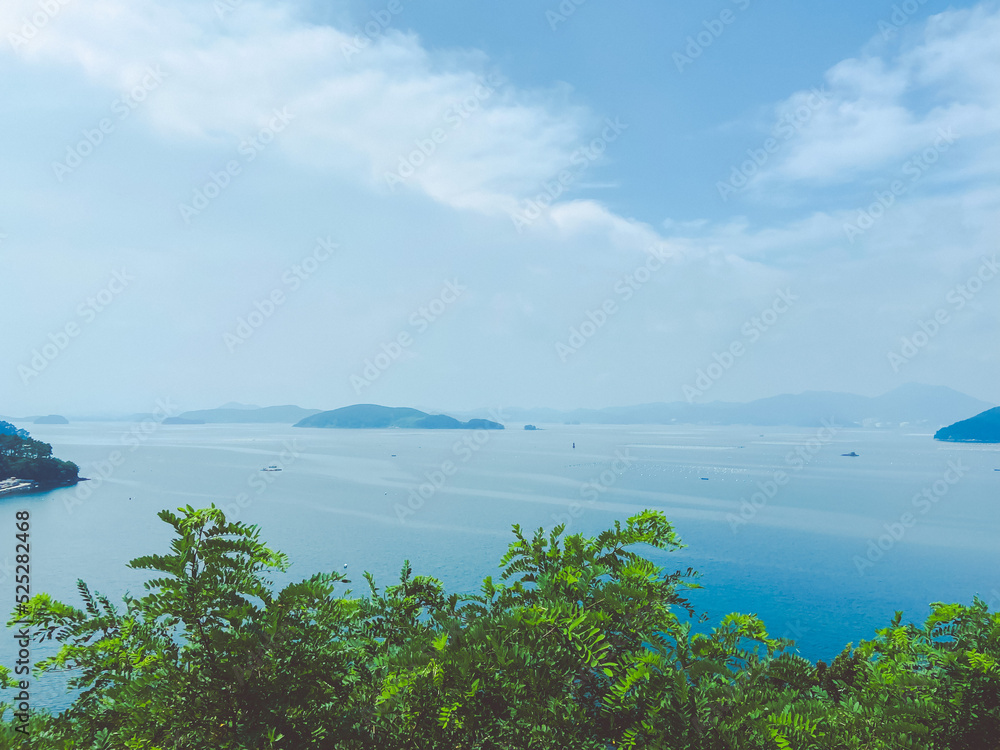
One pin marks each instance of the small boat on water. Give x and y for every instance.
(852, 454)
(272, 467)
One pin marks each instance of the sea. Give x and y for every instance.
(824, 547)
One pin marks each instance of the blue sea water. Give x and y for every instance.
(823, 547)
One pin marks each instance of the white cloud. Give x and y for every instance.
(443, 124)
(357, 115)
(891, 102)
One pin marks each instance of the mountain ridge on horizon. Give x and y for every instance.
(905, 404)
(915, 404)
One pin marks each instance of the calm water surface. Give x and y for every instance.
(806, 559)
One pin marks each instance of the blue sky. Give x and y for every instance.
(812, 187)
(618, 59)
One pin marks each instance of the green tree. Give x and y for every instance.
(27, 458)
(582, 643)
(210, 657)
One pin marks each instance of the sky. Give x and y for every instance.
(461, 204)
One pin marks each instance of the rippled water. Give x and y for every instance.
(806, 559)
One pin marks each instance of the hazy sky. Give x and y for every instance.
(456, 204)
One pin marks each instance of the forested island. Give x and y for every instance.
(372, 416)
(982, 428)
(27, 464)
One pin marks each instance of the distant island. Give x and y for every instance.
(234, 413)
(912, 406)
(982, 428)
(52, 419)
(182, 420)
(27, 464)
(372, 416)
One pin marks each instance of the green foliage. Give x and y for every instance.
(581, 643)
(26, 458)
(6, 428)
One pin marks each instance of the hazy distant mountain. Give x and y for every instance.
(914, 405)
(238, 405)
(982, 428)
(250, 415)
(919, 406)
(372, 416)
(52, 419)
